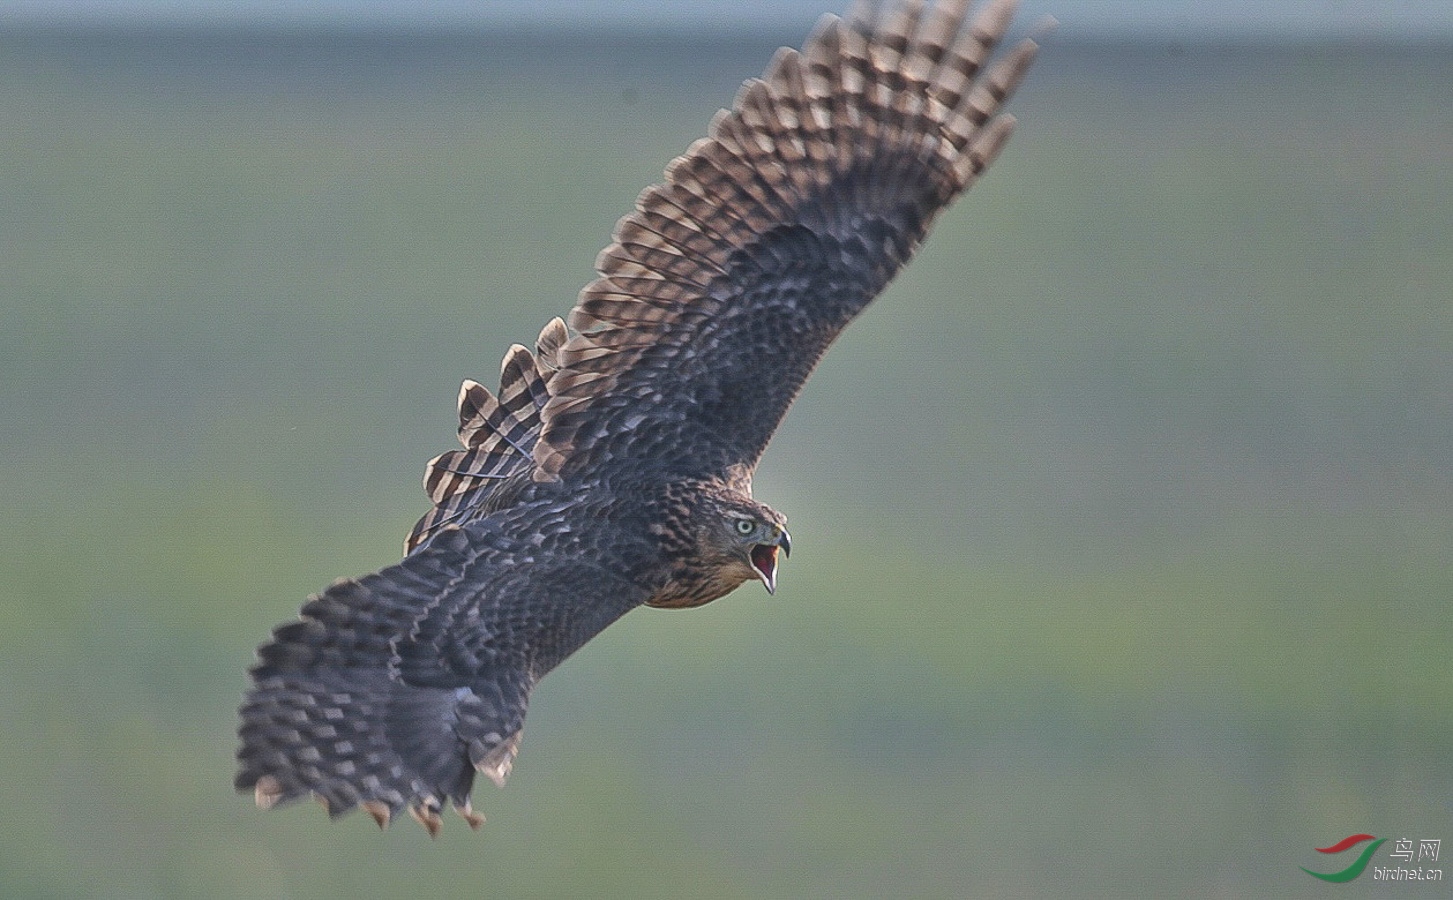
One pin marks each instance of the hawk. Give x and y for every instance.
(613, 467)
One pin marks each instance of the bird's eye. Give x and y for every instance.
(745, 527)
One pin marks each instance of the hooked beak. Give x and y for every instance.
(764, 559)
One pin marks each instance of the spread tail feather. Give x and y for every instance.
(498, 433)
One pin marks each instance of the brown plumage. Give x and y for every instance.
(613, 468)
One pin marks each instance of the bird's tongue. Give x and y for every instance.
(764, 560)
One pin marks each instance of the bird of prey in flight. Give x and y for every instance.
(613, 467)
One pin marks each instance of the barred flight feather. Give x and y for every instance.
(860, 140)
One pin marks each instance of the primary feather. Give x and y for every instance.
(612, 469)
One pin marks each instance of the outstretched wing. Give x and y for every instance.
(390, 691)
(730, 279)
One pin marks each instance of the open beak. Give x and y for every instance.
(764, 559)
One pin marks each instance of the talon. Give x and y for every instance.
(380, 812)
(428, 816)
(466, 811)
(267, 792)
(496, 763)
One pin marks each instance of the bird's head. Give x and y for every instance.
(748, 536)
(729, 539)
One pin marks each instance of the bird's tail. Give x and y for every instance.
(498, 432)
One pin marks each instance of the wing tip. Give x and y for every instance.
(794, 147)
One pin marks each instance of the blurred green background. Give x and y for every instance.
(1124, 553)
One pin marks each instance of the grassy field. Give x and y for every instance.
(1123, 548)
